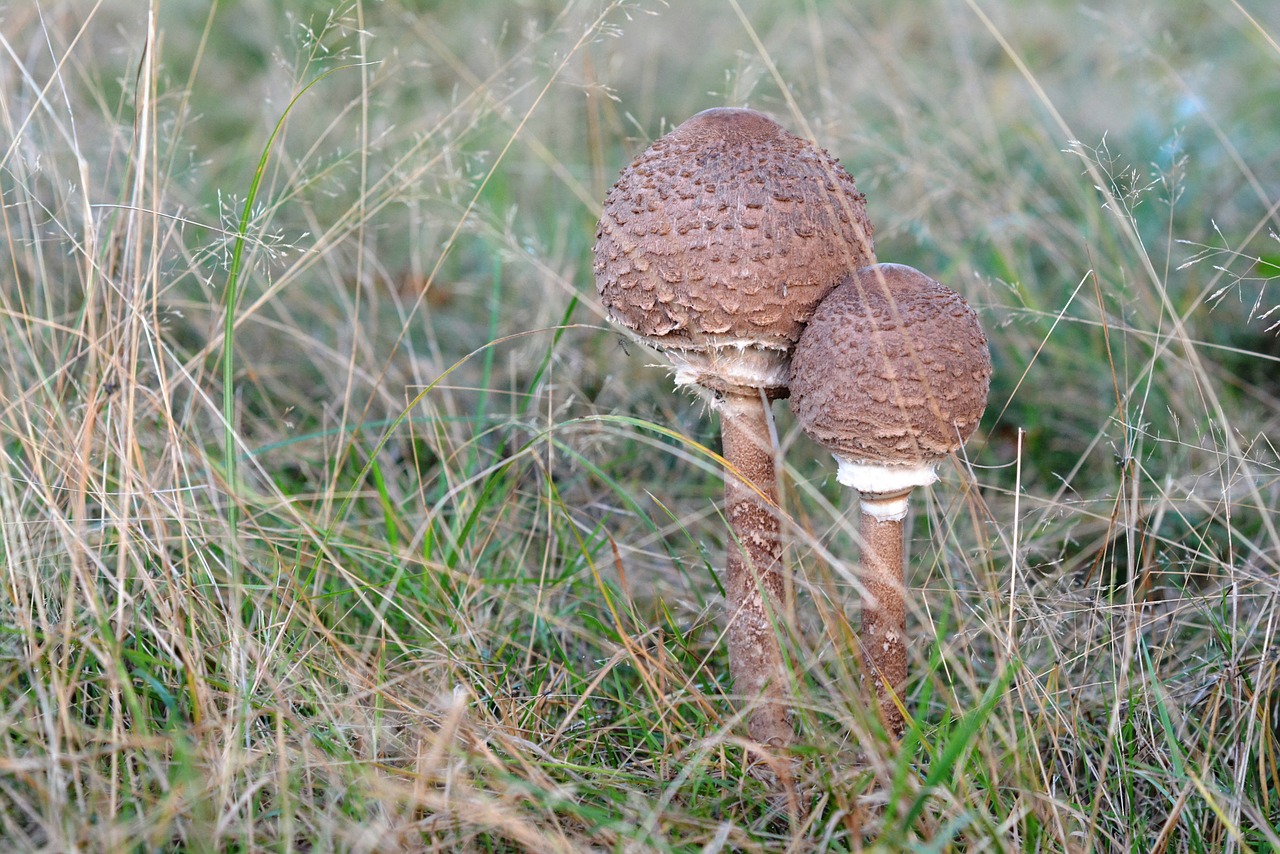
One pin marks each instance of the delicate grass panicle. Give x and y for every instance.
(334, 517)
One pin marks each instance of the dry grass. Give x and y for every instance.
(436, 568)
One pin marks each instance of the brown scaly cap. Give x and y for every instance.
(720, 239)
(893, 369)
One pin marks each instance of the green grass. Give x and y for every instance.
(335, 517)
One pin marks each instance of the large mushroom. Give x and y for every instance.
(715, 246)
(891, 375)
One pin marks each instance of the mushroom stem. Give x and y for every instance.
(756, 589)
(884, 614)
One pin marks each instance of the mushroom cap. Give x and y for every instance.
(721, 238)
(891, 375)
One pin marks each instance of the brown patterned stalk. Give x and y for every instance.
(884, 616)
(756, 588)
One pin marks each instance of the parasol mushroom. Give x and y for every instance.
(715, 246)
(891, 375)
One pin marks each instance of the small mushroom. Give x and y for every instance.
(891, 375)
(715, 246)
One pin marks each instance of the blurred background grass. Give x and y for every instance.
(467, 598)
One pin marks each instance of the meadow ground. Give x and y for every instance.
(335, 517)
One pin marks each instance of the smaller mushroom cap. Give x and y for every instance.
(718, 241)
(890, 375)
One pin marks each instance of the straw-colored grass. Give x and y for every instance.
(334, 517)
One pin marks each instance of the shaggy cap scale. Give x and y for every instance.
(719, 240)
(892, 371)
